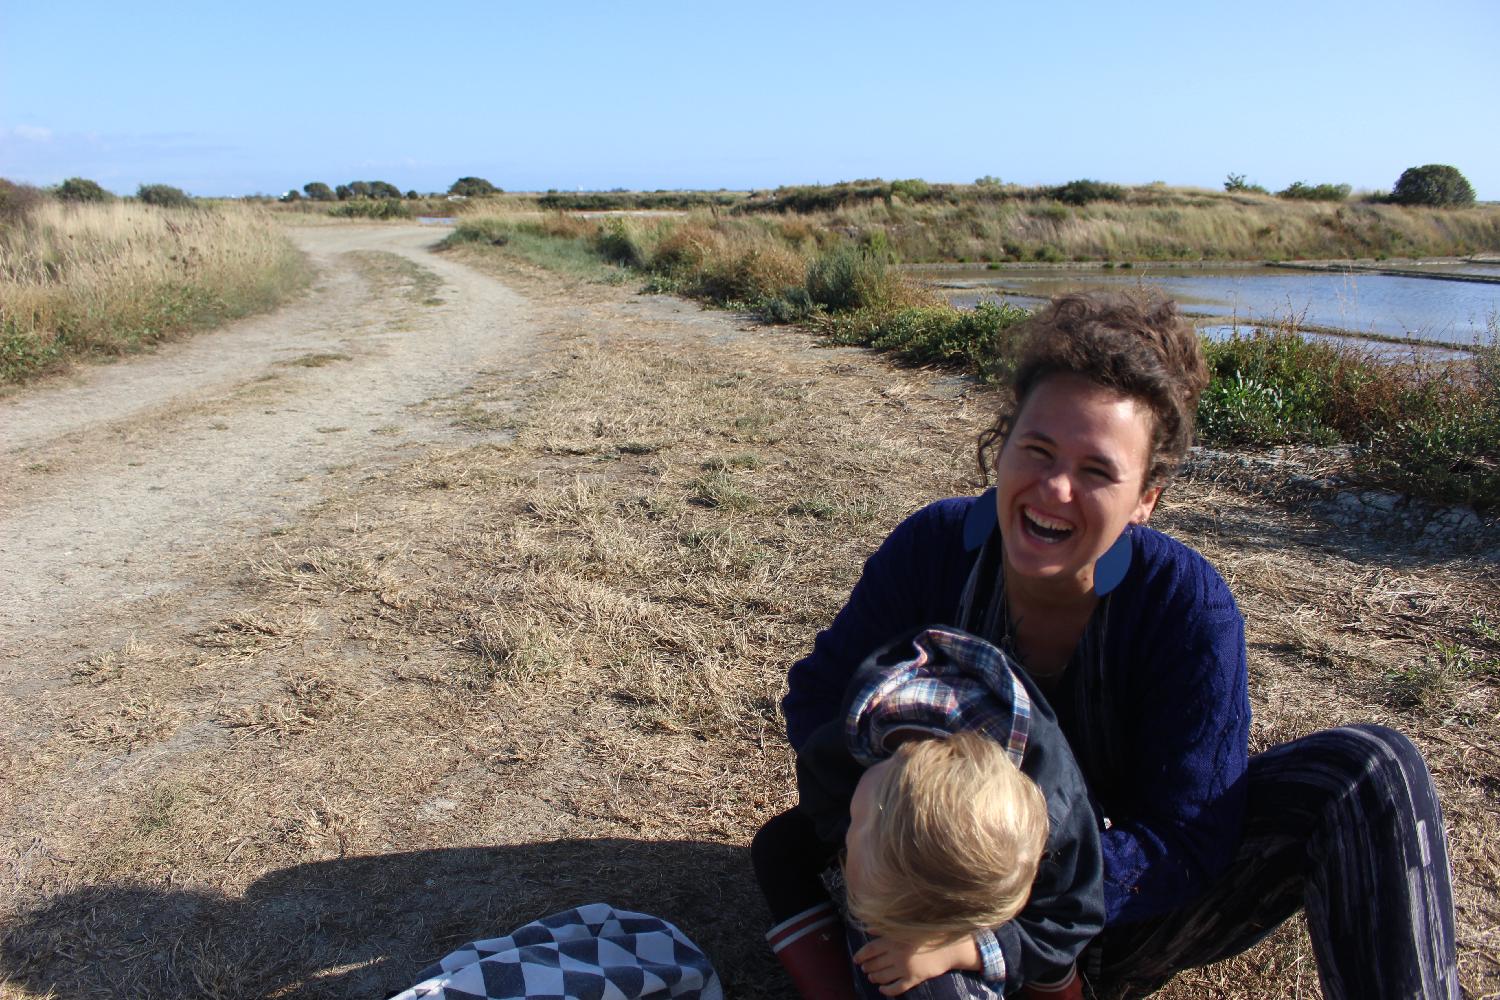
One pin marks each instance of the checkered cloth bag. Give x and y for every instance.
(593, 952)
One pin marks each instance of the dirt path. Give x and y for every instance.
(123, 479)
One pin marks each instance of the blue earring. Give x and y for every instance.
(981, 520)
(1113, 565)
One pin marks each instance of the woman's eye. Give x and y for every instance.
(1036, 450)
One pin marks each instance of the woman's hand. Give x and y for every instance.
(897, 965)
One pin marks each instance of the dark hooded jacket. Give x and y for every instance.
(938, 681)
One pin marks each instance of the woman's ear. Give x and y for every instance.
(1147, 506)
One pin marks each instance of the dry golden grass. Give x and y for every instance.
(1169, 224)
(542, 670)
(80, 279)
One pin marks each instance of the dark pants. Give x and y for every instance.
(1344, 822)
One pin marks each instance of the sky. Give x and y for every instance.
(234, 99)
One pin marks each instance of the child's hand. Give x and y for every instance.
(897, 965)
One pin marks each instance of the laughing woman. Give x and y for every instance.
(1138, 644)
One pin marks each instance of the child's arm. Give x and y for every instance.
(896, 965)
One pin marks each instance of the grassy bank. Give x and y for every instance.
(1424, 428)
(86, 280)
(1089, 221)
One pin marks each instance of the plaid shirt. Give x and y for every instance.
(946, 682)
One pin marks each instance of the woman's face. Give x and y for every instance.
(1070, 478)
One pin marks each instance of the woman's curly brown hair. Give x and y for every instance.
(1137, 344)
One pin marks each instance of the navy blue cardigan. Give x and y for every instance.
(1161, 737)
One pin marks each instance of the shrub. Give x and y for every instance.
(618, 245)
(1269, 388)
(746, 270)
(382, 189)
(914, 189)
(1237, 184)
(318, 191)
(484, 229)
(818, 197)
(343, 192)
(1298, 191)
(472, 187)
(389, 208)
(847, 277)
(167, 196)
(1433, 184)
(1439, 434)
(792, 305)
(1081, 192)
(17, 200)
(81, 189)
(978, 339)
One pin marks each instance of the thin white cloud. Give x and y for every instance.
(32, 133)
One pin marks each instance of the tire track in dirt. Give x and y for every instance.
(117, 482)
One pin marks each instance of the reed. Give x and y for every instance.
(81, 280)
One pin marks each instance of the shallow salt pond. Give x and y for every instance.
(1351, 303)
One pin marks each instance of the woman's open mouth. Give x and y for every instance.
(1043, 528)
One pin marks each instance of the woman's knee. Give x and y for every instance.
(1346, 753)
(1364, 770)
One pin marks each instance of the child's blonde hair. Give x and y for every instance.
(954, 842)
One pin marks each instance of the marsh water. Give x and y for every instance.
(1349, 304)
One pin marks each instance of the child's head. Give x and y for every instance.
(944, 838)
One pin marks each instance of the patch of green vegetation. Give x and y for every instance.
(1425, 428)
(164, 196)
(1430, 683)
(979, 340)
(815, 507)
(1433, 184)
(81, 189)
(1299, 191)
(1081, 192)
(620, 201)
(639, 448)
(317, 360)
(389, 208)
(575, 256)
(717, 489)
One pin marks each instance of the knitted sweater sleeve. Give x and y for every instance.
(1182, 715)
(912, 580)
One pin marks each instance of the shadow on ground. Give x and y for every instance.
(363, 927)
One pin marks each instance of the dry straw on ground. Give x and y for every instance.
(542, 670)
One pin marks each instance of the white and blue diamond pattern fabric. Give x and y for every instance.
(593, 952)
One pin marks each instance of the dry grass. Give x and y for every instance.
(87, 279)
(542, 671)
(1168, 224)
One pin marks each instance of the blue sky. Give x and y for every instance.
(227, 99)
